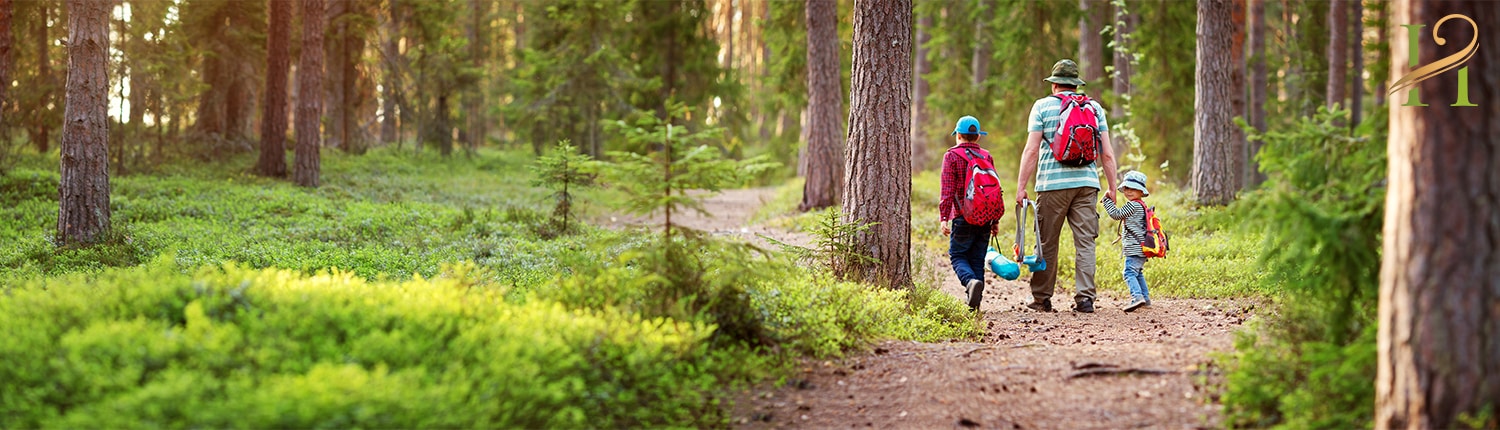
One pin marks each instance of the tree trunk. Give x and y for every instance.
(272, 160)
(1090, 42)
(42, 129)
(879, 104)
(474, 98)
(920, 146)
(1338, 53)
(1256, 113)
(7, 61)
(1218, 149)
(1357, 57)
(979, 65)
(333, 136)
(1440, 275)
(1380, 40)
(1124, 24)
(825, 152)
(310, 95)
(83, 204)
(388, 86)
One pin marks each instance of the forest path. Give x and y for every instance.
(1064, 370)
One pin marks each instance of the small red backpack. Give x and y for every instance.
(983, 200)
(1076, 143)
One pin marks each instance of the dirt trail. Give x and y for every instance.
(1063, 370)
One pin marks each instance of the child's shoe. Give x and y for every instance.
(975, 291)
(1135, 303)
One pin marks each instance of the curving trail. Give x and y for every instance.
(1063, 370)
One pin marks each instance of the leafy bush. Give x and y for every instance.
(237, 347)
(1311, 363)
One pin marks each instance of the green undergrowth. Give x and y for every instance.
(409, 291)
(1214, 250)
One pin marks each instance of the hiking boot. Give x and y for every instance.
(1041, 306)
(975, 291)
(1084, 306)
(1135, 303)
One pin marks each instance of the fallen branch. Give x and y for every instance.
(1118, 371)
(972, 351)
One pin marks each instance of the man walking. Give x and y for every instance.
(1065, 191)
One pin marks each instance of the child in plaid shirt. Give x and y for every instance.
(967, 242)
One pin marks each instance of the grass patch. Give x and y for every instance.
(409, 291)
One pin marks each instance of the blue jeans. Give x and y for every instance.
(1136, 278)
(966, 248)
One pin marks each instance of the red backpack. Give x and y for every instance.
(1076, 143)
(1155, 244)
(983, 200)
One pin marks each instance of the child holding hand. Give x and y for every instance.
(1133, 213)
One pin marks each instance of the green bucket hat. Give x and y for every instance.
(1065, 72)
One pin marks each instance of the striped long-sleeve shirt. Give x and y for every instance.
(1134, 215)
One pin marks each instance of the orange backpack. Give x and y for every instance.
(1155, 244)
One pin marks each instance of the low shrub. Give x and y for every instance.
(233, 347)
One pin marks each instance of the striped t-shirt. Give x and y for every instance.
(1133, 214)
(1046, 116)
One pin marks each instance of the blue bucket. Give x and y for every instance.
(1002, 266)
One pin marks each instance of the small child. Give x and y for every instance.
(968, 242)
(1134, 215)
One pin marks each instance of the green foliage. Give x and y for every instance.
(237, 347)
(833, 243)
(1310, 364)
(678, 161)
(567, 171)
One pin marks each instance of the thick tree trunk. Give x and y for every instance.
(1218, 150)
(7, 63)
(879, 106)
(240, 110)
(388, 84)
(920, 146)
(1440, 275)
(825, 152)
(1256, 113)
(333, 136)
(1338, 54)
(1357, 58)
(83, 204)
(310, 95)
(474, 98)
(1090, 42)
(272, 160)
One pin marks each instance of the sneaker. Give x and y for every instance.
(1041, 306)
(1148, 302)
(975, 291)
(1135, 303)
(1084, 306)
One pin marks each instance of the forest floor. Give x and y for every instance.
(1147, 369)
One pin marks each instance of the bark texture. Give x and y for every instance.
(1090, 42)
(1255, 114)
(273, 121)
(921, 157)
(1439, 340)
(1338, 53)
(1218, 151)
(879, 108)
(1357, 62)
(335, 73)
(83, 203)
(1124, 22)
(309, 95)
(825, 149)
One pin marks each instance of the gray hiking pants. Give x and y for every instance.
(1079, 207)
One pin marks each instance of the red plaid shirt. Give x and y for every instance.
(954, 168)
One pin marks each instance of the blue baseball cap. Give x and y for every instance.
(967, 125)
